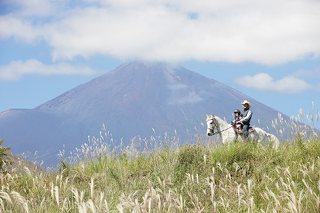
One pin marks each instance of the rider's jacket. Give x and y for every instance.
(247, 114)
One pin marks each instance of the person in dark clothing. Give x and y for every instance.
(236, 121)
(236, 116)
(245, 120)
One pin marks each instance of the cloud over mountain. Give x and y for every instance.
(267, 32)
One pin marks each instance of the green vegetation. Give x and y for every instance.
(3, 155)
(241, 177)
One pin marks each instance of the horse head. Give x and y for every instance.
(211, 125)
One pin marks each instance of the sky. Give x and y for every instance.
(267, 49)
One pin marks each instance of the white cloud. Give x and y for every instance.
(18, 28)
(267, 32)
(17, 69)
(263, 81)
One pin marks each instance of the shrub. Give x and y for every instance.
(3, 155)
(191, 159)
(240, 153)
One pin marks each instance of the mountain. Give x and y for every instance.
(134, 99)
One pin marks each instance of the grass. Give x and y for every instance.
(240, 177)
(3, 155)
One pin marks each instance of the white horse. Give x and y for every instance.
(228, 133)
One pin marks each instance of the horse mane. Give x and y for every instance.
(217, 118)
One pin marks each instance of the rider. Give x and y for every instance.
(237, 116)
(247, 114)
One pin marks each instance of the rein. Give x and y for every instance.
(222, 130)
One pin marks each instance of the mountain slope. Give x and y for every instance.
(131, 100)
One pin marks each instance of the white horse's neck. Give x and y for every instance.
(227, 133)
(222, 123)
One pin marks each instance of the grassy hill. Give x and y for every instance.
(241, 177)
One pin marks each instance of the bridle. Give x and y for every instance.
(216, 125)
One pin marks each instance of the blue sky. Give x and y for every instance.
(269, 50)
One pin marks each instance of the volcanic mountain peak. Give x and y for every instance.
(129, 83)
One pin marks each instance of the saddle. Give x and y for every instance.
(239, 131)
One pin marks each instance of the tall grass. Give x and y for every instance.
(304, 125)
(3, 157)
(241, 177)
